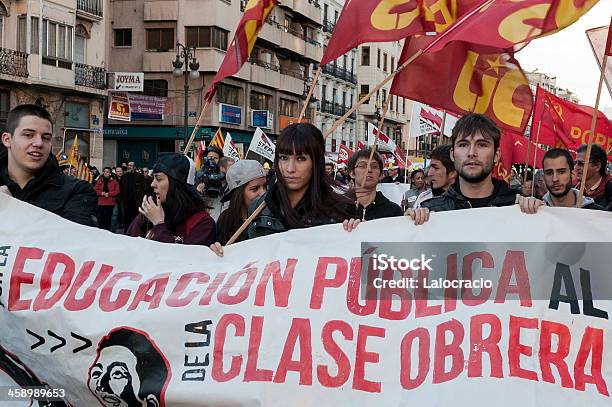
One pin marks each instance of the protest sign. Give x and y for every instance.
(286, 315)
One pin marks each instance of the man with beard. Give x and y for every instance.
(129, 371)
(475, 150)
(558, 166)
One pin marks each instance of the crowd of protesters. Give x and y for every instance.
(175, 204)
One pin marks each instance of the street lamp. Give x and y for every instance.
(185, 56)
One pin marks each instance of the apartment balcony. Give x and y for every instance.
(264, 73)
(313, 50)
(89, 76)
(293, 40)
(336, 109)
(310, 9)
(271, 31)
(328, 26)
(13, 63)
(291, 81)
(90, 9)
(162, 10)
(340, 73)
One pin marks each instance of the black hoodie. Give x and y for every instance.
(382, 207)
(453, 199)
(52, 190)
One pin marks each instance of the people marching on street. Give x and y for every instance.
(175, 204)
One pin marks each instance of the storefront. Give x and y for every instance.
(142, 144)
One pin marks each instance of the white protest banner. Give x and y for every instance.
(262, 145)
(394, 192)
(286, 316)
(230, 149)
(426, 120)
(384, 142)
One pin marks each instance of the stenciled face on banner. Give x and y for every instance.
(129, 371)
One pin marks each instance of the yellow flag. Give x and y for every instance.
(218, 141)
(74, 153)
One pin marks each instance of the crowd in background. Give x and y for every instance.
(174, 203)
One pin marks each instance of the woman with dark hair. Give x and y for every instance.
(176, 213)
(303, 195)
(246, 181)
(417, 186)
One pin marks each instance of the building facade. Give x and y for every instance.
(376, 61)
(52, 54)
(549, 84)
(337, 87)
(267, 92)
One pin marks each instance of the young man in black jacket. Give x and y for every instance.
(29, 172)
(369, 204)
(475, 150)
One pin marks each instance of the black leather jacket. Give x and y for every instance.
(55, 192)
(271, 219)
(453, 199)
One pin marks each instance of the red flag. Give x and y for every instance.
(462, 79)
(360, 145)
(503, 24)
(402, 161)
(344, 153)
(364, 21)
(503, 167)
(433, 118)
(255, 14)
(568, 125)
(520, 146)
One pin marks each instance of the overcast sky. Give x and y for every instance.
(568, 56)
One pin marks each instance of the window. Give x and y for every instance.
(325, 9)
(228, 94)
(57, 44)
(365, 89)
(34, 44)
(208, 36)
(123, 37)
(392, 64)
(343, 98)
(3, 13)
(365, 56)
(334, 95)
(352, 64)
(324, 92)
(288, 107)
(352, 101)
(344, 62)
(404, 106)
(260, 101)
(155, 87)
(378, 58)
(160, 39)
(385, 62)
(335, 16)
(80, 36)
(22, 33)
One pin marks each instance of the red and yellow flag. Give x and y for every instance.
(218, 140)
(463, 79)
(255, 14)
(364, 21)
(568, 125)
(74, 153)
(505, 24)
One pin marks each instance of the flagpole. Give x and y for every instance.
(197, 126)
(535, 154)
(443, 125)
(527, 159)
(246, 223)
(312, 87)
(587, 158)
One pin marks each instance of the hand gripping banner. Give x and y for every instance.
(109, 320)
